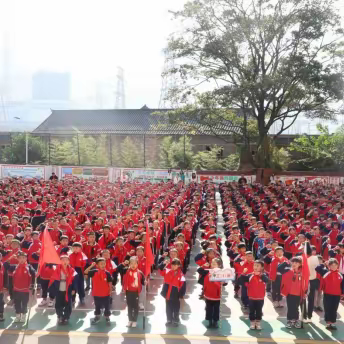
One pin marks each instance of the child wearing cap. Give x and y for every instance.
(63, 248)
(10, 256)
(78, 261)
(21, 277)
(101, 289)
(63, 286)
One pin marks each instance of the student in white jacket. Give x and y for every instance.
(313, 262)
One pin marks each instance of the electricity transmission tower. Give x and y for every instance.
(168, 83)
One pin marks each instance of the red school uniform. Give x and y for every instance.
(101, 280)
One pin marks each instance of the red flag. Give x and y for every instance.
(149, 253)
(305, 270)
(48, 253)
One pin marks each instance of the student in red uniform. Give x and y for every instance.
(101, 289)
(1, 290)
(256, 286)
(22, 273)
(212, 294)
(34, 247)
(46, 272)
(111, 267)
(173, 290)
(91, 250)
(10, 256)
(142, 267)
(133, 280)
(333, 287)
(246, 265)
(275, 276)
(106, 239)
(292, 289)
(78, 261)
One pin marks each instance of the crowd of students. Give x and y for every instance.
(295, 234)
(99, 231)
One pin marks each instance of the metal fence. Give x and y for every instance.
(138, 151)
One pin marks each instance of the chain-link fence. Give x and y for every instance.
(141, 150)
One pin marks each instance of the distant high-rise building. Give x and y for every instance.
(51, 86)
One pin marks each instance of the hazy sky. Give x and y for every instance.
(89, 38)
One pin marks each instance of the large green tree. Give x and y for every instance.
(16, 152)
(90, 150)
(175, 153)
(323, 152)
(129, 154)
(271, 59)
(212, 160)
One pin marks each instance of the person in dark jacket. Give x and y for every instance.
(21, 274)
(63, 285)
(212, 294)
(256, 287)
(333, 287)
(173, 290)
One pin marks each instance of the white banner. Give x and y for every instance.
(24, 171)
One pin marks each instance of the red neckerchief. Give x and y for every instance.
(69, 272)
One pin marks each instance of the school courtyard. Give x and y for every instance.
(41, 327)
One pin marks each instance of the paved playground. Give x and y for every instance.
(42, 326)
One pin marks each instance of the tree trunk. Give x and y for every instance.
(246, 159)
(263, 156)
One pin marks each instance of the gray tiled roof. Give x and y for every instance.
(126, 121)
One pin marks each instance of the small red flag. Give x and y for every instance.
(48, 253)
(149, 253)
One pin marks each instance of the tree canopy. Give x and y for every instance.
(16, 152)
(272, 59)
(319, 152)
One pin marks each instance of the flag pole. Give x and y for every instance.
(144, 306)
(220, 310)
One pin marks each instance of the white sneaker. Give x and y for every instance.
(17, 319)
(141, 307)
(307, 321)
(130, 323)
(51, 303)
(23, 318)
(134, 324)
(43, 303)
(275, 303)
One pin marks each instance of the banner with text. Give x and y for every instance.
(23, 171)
